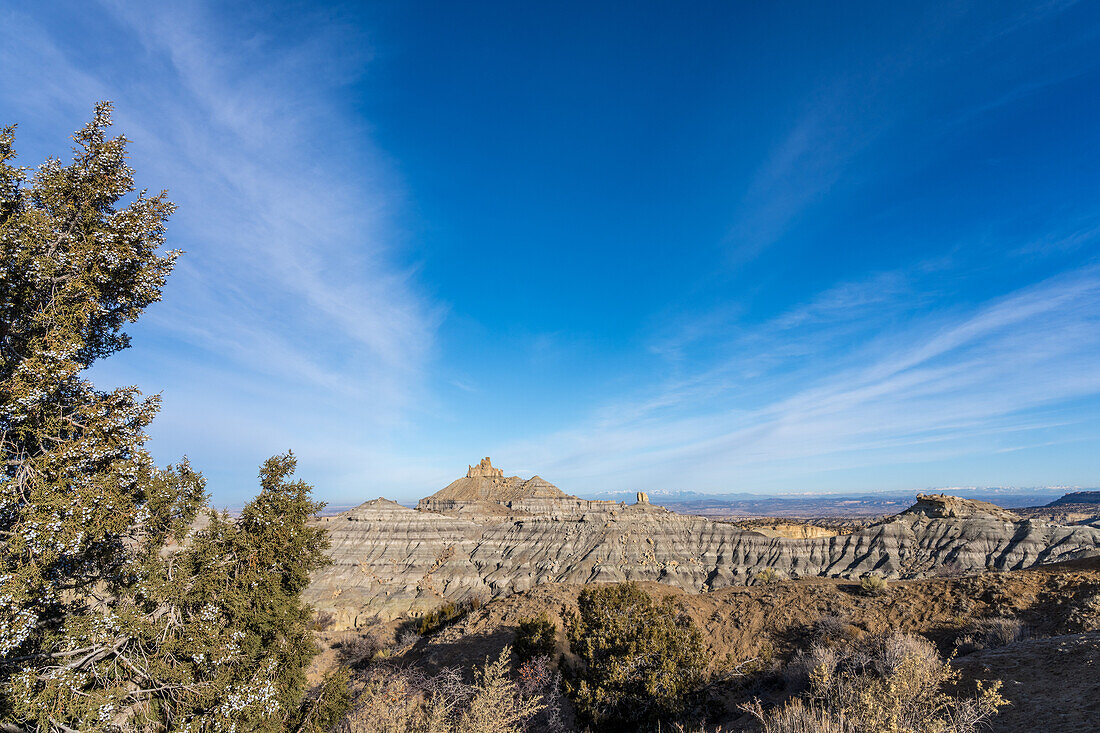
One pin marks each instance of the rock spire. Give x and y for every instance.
(484, 469)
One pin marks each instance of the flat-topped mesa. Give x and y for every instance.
(941, 506)
(1078, 497)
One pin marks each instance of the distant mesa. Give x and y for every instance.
(944, 506)
(1078, 497)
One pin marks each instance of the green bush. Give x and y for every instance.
(639, 664)
(535, 637)
(326, 705)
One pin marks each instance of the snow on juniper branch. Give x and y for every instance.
(108, 619)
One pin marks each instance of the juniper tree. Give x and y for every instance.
(109, 620)
(639, 664)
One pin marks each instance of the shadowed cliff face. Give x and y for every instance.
(390, 560)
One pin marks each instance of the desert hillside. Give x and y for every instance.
(486, 536)
(1036, 630)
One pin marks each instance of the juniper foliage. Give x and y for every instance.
(535, 637)
(112, 616)
(640, 663)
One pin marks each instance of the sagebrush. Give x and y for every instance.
(393, 700)
(891, 682)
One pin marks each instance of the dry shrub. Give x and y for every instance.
(991, 633)
(798, 717)
(1085, 614)
(390, 700)
(892, 682)
(322, 621)
(358, 651)
(873, 585)
(767, 576)
(1003, 631)
(538, 677)
(498, 705)
(834, 630)
(887, 653)
(798, 672)
(406, 641)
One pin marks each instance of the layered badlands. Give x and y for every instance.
(487, 536)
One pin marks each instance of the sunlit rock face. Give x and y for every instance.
(484, 484)
(487, 535)
(484, 469)
(485, 491)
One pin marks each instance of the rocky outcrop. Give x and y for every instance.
(1078, 497)
(484, 484)
(485, 491)
(389, 560)
(795, 530)
(484, 469)
(386, 557)
(944, 506)
(1078, 507)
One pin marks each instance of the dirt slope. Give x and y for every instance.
(1047, 679)
(768, 621)
(1053, 683)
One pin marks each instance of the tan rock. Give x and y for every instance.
(942, 505)
(485, 484)
(484, 469)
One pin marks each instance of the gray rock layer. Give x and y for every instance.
(389, 560)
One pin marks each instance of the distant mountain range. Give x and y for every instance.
(868, 503)
(839, 504)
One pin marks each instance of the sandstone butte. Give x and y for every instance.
(487, 536)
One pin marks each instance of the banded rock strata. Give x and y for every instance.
(489, 536)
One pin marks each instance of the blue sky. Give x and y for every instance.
(770, 247)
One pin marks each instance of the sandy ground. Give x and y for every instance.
(1053, 683)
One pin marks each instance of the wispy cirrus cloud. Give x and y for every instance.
(301, 221)
(990, 379)
(298, 317)
(296, 296)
